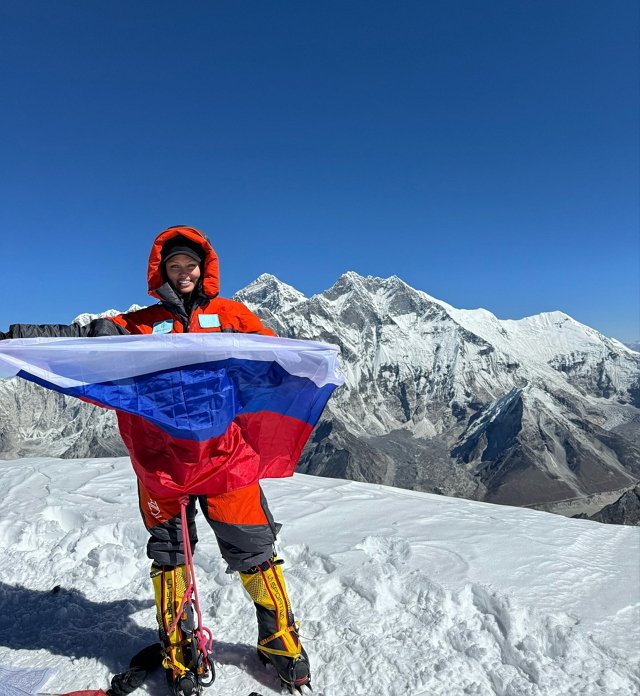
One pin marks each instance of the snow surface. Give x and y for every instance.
(399, 592)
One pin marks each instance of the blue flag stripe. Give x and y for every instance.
(198, 402)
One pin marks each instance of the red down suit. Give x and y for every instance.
(222, 472)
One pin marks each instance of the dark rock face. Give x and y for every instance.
(494, 432)
(625, 510)
(634, 393)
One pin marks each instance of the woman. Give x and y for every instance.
(183, 276)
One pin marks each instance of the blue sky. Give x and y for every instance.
(485, 152)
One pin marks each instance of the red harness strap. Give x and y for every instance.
(202, 634)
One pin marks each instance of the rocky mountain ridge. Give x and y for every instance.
(457, 401)
(625, 510)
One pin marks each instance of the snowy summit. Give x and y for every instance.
(400, 593)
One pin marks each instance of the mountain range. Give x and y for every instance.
(541, 411)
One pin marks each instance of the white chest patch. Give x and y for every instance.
(209, 321)
(163, 327)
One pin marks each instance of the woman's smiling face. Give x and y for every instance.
(183, 273)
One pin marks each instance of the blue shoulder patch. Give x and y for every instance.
(163, 327)
(209, 321)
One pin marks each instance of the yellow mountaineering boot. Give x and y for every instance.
(278, 641)
(179, 646)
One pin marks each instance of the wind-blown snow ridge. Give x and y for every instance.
(398, 592)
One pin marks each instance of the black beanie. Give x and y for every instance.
(182, 245)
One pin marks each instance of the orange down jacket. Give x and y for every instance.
(224, 314)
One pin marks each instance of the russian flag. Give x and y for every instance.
(199, 413)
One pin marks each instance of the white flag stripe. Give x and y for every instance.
(71, 362)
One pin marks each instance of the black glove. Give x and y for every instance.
(104, 327)
(146, 661)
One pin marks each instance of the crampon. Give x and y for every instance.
(294, 673)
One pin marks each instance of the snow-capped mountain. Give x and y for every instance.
(86, 317)
(526, 412)
(457, 401)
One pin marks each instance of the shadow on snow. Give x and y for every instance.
(64, 622)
